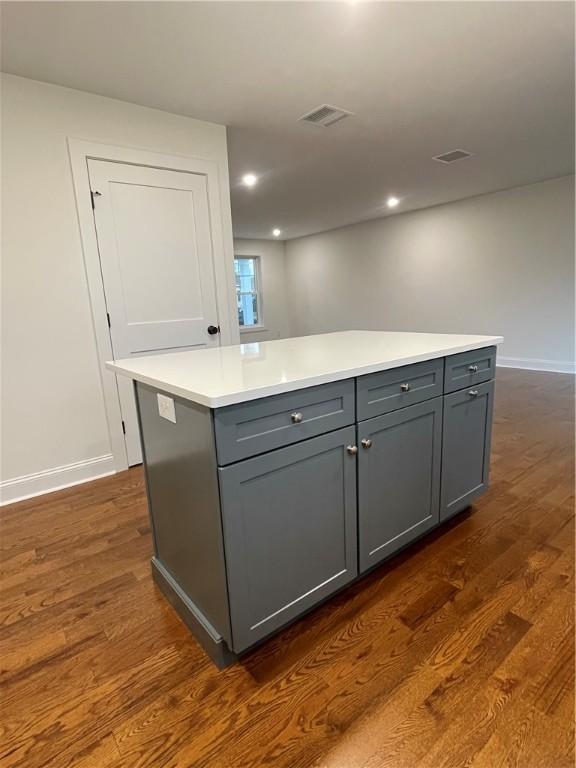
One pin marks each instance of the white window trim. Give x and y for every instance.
(261, 326)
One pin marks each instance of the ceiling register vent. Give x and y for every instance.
(451, 157)
(325, 115)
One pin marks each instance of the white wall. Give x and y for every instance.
(273, 289)
(54, 428)
(496, 264)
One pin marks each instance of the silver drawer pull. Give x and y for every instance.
(405, 387)
(296, 418)
(366, 443)
(473, 368)
(473, 393)
(352, 449)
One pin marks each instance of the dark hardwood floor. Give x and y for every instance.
(459, 652)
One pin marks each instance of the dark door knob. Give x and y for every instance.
(213, 329)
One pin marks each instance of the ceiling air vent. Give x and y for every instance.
(453, 156)
(325, 115)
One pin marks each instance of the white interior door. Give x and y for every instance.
(156, 254)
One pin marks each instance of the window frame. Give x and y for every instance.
(260, 326)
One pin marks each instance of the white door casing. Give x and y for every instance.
(154, 240)
(214, 175)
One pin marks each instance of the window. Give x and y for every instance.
(247, 273)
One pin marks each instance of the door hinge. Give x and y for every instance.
(108, 319)
(123, 426)
(94, 194)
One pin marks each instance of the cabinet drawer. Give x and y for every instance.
(379, 393)
(248, 429)
(469, 368)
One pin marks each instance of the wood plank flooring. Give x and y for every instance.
(459, 652)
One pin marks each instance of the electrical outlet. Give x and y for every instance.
(166, 408)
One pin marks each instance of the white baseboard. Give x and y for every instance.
(553, 366)
(27, 486)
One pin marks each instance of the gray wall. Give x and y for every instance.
(501, 263)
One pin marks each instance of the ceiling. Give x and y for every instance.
(494, 78)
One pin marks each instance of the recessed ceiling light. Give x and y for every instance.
(276, 232)
(249, 179)
(392, 202)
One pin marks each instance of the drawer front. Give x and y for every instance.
(469, 368)
(379, 393)
(248, 429)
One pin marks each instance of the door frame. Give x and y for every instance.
(80, 151)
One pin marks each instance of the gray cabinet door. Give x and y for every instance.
(466, 447)
(398, 479)
(289, 521)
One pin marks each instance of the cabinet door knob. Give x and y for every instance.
(473, 393)
(352, 449)
(296, 418)
(366, 442)
(473, 368)
(405, 387)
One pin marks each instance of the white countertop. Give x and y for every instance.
(225, 375)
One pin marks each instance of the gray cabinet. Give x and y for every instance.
(262, 510)
(398, 479)
(289, 520)
(466, 446)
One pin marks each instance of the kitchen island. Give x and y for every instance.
(278, 472)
